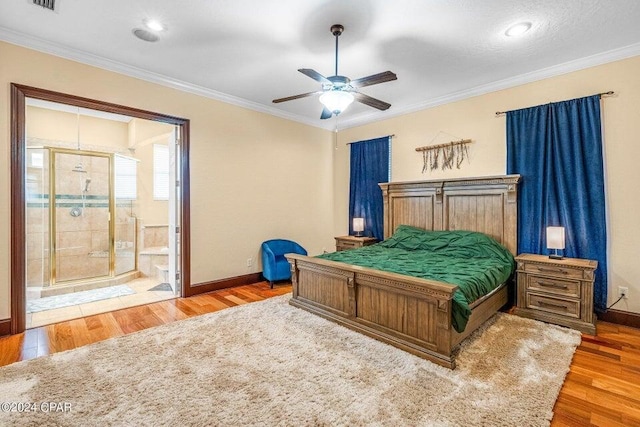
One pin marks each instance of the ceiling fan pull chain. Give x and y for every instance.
(335, 134)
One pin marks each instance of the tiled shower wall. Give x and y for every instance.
(153, 241)
(82, 240)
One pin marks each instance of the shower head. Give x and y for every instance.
(86, 184)
(79, 168)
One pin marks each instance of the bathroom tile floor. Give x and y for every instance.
(77, 298)
(141, 296)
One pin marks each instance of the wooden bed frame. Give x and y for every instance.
(407, 312)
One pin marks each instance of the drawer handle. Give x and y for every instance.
(547, 304)
(553, 285)
(553, 270)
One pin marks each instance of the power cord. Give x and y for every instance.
(617, 301)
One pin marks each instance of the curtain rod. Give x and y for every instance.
(355, 142)
(389, 136)
(502, 113)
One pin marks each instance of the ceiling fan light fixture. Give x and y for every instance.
(336, 101)
(338, 92)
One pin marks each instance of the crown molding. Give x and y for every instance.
(45, 46)
(39, 44)
(544, 73)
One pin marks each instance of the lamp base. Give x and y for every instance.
(556, 256)
(358, 234)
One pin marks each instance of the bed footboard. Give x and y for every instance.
(407, 312)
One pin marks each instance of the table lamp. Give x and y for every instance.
(358, 226)
(555, 240)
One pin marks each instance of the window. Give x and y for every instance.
(37, 160)
(160, 172)
(126, 177)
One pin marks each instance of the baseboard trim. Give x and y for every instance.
(5, 327)
(230, 282)
(619, 317)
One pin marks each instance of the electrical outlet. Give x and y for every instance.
(623, 291)
(249, 262)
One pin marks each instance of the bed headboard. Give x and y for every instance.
(486, 204)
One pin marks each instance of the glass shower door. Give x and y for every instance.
(81, 218)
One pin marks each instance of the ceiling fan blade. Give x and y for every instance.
(326, 114)
(314, 75)
(371, 102)
(374, 79)
(291, 98)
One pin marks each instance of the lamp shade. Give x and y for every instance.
(358, 224)
(336, 101)
(555, 237)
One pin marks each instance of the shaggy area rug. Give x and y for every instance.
(269, 363)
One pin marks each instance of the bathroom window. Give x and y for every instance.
(160, 172)
(37, 160)
(126, 177)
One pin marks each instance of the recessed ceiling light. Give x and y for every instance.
(154, 25)
(145, 35)
(518, 29)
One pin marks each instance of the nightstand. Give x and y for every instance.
(351, 242)
(558, 291)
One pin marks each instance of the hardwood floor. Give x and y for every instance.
(603, 385)
(601, 389)
(78, 332)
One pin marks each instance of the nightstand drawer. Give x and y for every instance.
(347, 245)
(552, 285)
(563, 307)
(553, 270)
(344, 243)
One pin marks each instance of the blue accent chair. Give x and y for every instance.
(274, 265)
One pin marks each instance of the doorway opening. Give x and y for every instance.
(100, 205)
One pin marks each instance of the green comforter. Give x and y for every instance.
(473, 261)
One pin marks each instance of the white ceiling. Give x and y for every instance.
(247, 51)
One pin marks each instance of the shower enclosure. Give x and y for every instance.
(77, 228)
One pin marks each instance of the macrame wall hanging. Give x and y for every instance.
(445, 156)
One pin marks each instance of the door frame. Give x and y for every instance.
(18, 189)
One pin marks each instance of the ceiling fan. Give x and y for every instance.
(340, 91)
